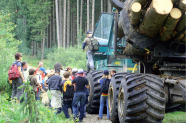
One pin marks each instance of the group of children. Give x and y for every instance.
(59, 83)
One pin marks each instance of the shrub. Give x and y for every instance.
(73, 57)
(8, 48)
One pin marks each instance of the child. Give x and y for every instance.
(54, 85)
(68, 93)
(33, 81)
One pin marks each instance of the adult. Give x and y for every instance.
(24, 66)
(86, 46)
(104, 81)
(79, 96)
(16, 83)
(54, 85)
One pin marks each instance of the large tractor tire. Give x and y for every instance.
(141, 99)
(95, 90)
(113, 96)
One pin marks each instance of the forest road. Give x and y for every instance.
(92, 118)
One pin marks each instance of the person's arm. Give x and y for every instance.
(50, 74)
(84, 44)
(45, 84)
(19, 69)
(87, 84)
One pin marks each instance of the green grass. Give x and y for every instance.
(175, 117)
(32, 60)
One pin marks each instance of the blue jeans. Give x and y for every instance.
(16, 91)
(103, 99)
(79, 97)
(90, 62)
(66, 106)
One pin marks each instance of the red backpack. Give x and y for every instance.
(13, 72)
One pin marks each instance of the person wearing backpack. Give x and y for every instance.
(91, 45)
(104, 81)
(68, 93)
(15, 74)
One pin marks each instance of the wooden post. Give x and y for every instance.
(155, 17)
(170, 24)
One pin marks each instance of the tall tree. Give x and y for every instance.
(109, 6)
(54, 24)
(101, 6)
(57, 23)
(78, 22)
(88, 22)
(68, 24)
(93, 11)
(81, 15)
(43, 46)
(60, 23)
(64, 23)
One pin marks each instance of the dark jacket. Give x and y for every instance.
(54, 83)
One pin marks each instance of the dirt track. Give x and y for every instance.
(92, 118)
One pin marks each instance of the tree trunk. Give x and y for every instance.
(182, 5)
(181, 25)
(155, 17)
(181, 37)
(170, 24)
(78, 22)
(109, 7)
(54, 25)
(35, 48)
(43, 47)
(88, 23)
(50, 33)
(135, 13)
(64, 23)
(32, 47)
(81, 19)
(142, 2)
(101, 6)
(60, 23)
(93, 11)
(57, 23)
(68, 25)
(47, 37)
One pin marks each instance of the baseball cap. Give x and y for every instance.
(89, 32)
(74, 70)
(80, 71)
(43, 69)
(106, 72)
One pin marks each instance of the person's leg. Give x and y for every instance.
(14, 89)
(65, 109)
(108, 115)
(75, 104)
(101, 107)
(90, 60)
(38, 94)
(84, 111)
(19, 90)
(82, 104)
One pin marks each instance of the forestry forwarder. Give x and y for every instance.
(154, 31)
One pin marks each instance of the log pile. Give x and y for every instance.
(160, 19)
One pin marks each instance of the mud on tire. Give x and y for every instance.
(95, 90)
(113, 96)
(141, 99)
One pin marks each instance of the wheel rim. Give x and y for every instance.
(121, 102)
(110, 98)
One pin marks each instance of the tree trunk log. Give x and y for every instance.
(142, 2)
(130, 50)
(181, 37)
(64, 23)
(180, 26)
(68, 24)
(182, 4)
(170, 24)
(135, 13)
(155, 17)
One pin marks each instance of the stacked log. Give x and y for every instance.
(164, 20)
(170, 24)
(155, 17)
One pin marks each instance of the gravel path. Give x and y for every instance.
(92, 118)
